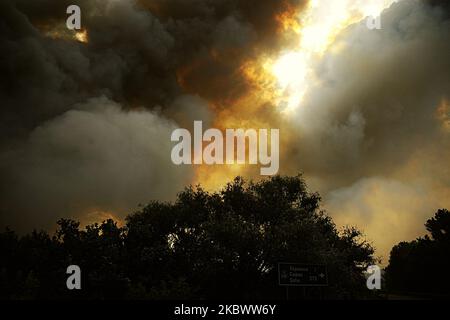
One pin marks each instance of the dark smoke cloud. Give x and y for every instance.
(94, 157)
(135, 52)
(216, 36)
(126, 59)
(78, 120)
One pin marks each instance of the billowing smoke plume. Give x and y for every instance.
(93, 157)
(85, 126)
(372, 133)
(140, 53)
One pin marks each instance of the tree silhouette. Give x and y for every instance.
(439, 226)
(421, 266)
(225, 244)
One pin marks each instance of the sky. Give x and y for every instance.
(363, 113)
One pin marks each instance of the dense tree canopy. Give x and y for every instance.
(421, 266)
(203, 245)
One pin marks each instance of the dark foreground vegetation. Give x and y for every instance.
(422, 267)
(211, 246)
(204, 245)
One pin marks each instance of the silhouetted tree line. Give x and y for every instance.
(203, 245)
(423, 266)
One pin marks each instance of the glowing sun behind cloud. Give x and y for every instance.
(320, 23)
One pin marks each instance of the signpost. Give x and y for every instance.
(296, 274)
(302, 275)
